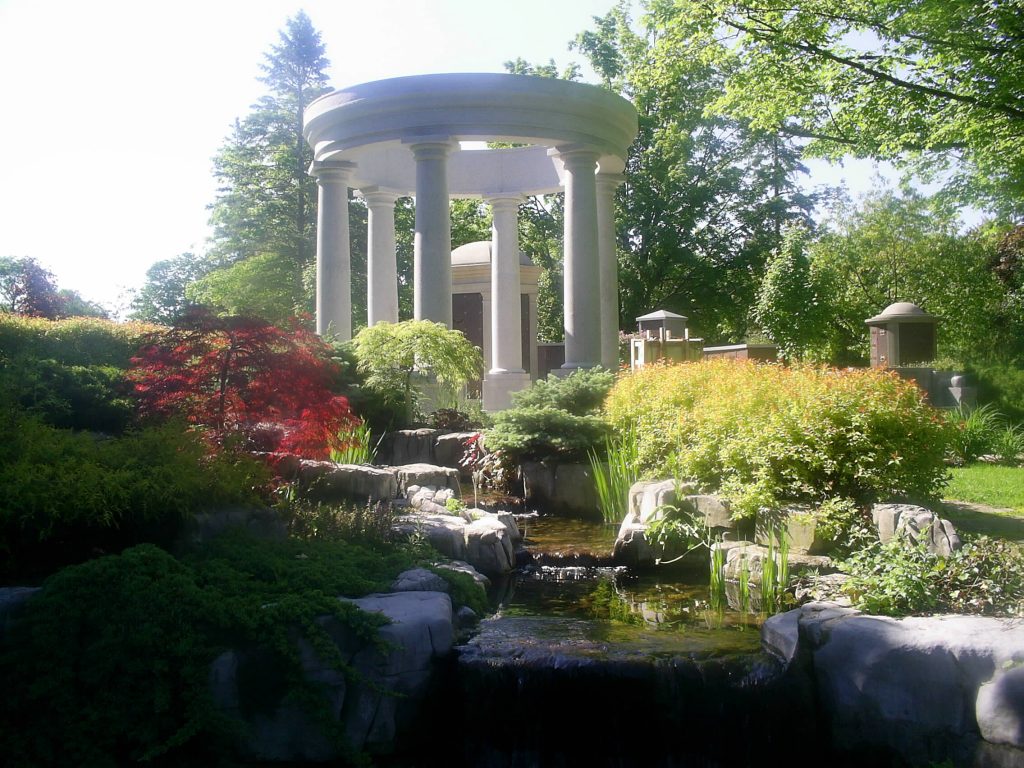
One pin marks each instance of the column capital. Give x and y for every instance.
(504, 201)
(378, 196)
(609, 180)
(431, 147)
(577, 156)
(327, 171)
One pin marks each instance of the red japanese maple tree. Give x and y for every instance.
(229, 373)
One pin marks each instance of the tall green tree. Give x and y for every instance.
(162, 297)
(932, 84)
(706, 197)
(266, 202)
(790, 308)
(895, 248)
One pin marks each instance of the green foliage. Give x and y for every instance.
(162, 298)
(764, 434)
(70, 396)
(1001, 385)
(64, 493)
(73, 341)
(974, 432)
(931, 85)
(614, 476)
(266, 285)
(389, 354)
(897, 248)
(706, 196)
(790, 308)
(365, 524)
(580, 393)
(464, 590)
(555, 418)
(984, 576)
(355, 445)
(546, 433)
(110, 663)
(266, 202)
(845, 525)
(454, 505)
(27, 288)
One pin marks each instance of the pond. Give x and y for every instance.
(583, 663)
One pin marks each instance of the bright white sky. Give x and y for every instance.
(113, 109)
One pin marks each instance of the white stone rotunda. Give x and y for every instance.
(402, 136)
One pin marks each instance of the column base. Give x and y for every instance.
(499, 386)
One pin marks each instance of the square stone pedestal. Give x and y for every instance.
(499, 386)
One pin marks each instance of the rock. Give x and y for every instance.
(915, 524)
(489, 546)
(560, 488)
(461, 566)
(449, 449)
(739, 552)
(327, 481)
(1000, 708)
(466, 617)
(418, 580)
(391, 683)
(12, 601)
(928, 689)
(801, 528)
(714, 510)
(408, 446)
(631, 546)
(446, 533)
(258, 522)
(426, 475)
(822, 587)
(645, 498)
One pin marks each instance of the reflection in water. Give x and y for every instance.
(662, 612)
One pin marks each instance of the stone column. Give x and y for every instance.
(432, 264)
(381, 258)
(582, 283)
(333, 257)
(506, 374)
(608, 268)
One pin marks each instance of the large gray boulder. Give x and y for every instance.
(408, 446)
(450, 447)
(915, 524)
(327, 481)
(486, 540)
(489, 545)
(926, 688)
(560, 488)
(372, 706)
(445, 533)
(410, 475)
(740, 555)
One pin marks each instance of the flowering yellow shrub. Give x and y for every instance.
(762, 434)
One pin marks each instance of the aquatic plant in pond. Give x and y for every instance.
(614, 477)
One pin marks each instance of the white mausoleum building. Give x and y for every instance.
(398, 137)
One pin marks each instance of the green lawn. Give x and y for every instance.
(998, 491)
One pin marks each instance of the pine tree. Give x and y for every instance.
(266, 203)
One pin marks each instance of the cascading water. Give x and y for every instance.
(587, 664)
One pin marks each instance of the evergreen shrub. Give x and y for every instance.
(110, 664)
(764, 434)
(557, 418)
(64, 494)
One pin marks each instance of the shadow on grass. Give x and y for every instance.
(990, 521)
